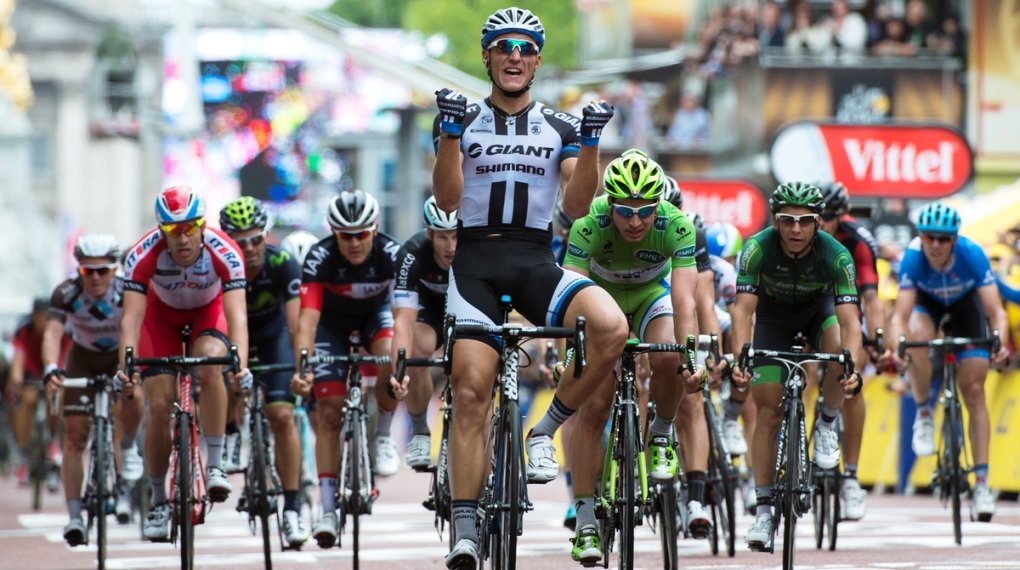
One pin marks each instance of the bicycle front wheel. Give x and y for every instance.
(951, 426)
(257, 467)
(185, 527)
(354, 480)
(665, 510)
(508, 487)
(627, 501)
(792, 480)
(723, 491)
(102, 487)
(819, 508)
(832, 518)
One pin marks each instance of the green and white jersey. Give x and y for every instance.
(616, 265)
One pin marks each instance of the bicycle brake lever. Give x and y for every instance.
(581, 349)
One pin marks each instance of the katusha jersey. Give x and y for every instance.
(95, 323)
(220, 267)
(512, 165)
(970, 270)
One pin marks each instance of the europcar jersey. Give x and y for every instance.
(331, 284)
(617, 265)
(512, 165)
(220, 266)
(278, 282)
(95, 323)
(420, 281)
(970, 270)
(764, 270)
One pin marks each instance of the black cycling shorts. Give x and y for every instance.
(968, 319)
(276, 349)
(334, 339)
(777, 325)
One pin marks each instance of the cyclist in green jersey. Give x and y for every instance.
(798, 280)
(640, 249)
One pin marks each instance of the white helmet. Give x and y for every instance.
(436, 219)
(513, 20)
(96, 245)
(298, 244)
(178, 204)
(353, 209)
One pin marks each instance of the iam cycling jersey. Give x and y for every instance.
(421, 283)
(861, 245)
(970, 269)
(278, 282)
(765, 271)
(636, 275)
(95, 323)
(511, 166)
(29, 342)
(346, 292)
(220, 267)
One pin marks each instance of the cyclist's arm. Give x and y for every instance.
(1008, 293)
(905, 300)
(403, 330)
(708, 322)
(291, 310)
(53, 341)
(849, 328)
(17, 376)
(308, 322)
(686, 306)
(874, 311)
(448, 174)
(742, 313)
(989, 295)
(579, 178)
(131, 321)
(235, 308)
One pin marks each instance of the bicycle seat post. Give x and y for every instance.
(504, 305)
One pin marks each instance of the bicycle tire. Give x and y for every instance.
(722, 487)
(508, 496)
(625, 488)
(951, 421)
(792, 475)
(819, 505)
(186, 530)
(37, 467)
(444, 497)
(354, 480)
(258, 469)
(99, 497)
(832, 521)
(665, 503)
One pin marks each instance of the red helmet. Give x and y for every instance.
(179, 203)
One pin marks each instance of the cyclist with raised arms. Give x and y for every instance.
(641, 250)
(346, 282)
(691, 426)
(503, 162)
(272, 291)
(943, 273)
(92, 303)
(861, 245)
(793, 279)
(183, 274)
(419, 301)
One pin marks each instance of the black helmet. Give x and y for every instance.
(834, 195)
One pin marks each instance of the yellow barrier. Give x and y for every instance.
(879, 450)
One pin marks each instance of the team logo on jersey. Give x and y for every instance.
(536, 129)
(577, 252)
(487, 119)
(660, 223)
(475, 150)
(277, 260)
(649, 256)
(603, 221)
(684, 252)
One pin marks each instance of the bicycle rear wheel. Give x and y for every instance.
(951, 426)
(257, 467)
(722, 490)
(832, 520)
(354, 481)
(186, 529)
(627, 501)
(819, 506)
(665, 506)
(792, 479)
(102, 489)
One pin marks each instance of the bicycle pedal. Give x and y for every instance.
(424, 468)
(429, 504)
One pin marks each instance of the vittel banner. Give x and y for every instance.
(736, 201)
(882, 161)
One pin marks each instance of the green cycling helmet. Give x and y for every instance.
(634, 175)
(243, 214)
(797, 194)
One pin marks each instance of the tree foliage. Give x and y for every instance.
(371, 13)
(461, 22)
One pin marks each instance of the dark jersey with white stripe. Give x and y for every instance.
(512, 168)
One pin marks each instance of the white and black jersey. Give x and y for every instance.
(512, 167)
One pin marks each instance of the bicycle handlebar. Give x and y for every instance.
(130, 362)
(577, 333)
(879, 342)
(261, 368)
(346, 358)
(403, 362)
(748, 354)
(954, 344)
(101, 382)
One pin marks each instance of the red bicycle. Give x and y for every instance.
(188, 497)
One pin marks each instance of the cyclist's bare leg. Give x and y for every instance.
(327, 441)
(854, 412)
(832, 392)
(213, 411)
(586, 450)
(665, 387)
(288, 445)
(129, 415)
(750, 414)
(474, 370)
(420, 389)
(160, 392)
(382, 347)
(920, 328)
(769, 397)
(76, 436)
(642, 373)
(23, 418)
(971, 383)
(606, 332)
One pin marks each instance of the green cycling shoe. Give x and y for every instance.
(662, 458)
(586, 548)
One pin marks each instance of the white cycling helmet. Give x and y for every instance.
(436, 219)
(178, 204)
(353, 209)
(298, 244)
(510, 20)
(96, 245)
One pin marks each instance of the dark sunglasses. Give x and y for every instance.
(829, 216)
(100, 270)
(507, 46)
(789, 220)
(358, 235)
(254, 241)
(187, 228)
(642, 212)
(941, 239)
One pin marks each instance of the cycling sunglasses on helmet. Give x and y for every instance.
(187, 228)
(642, 212)
(507, 46)
(101, 270)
